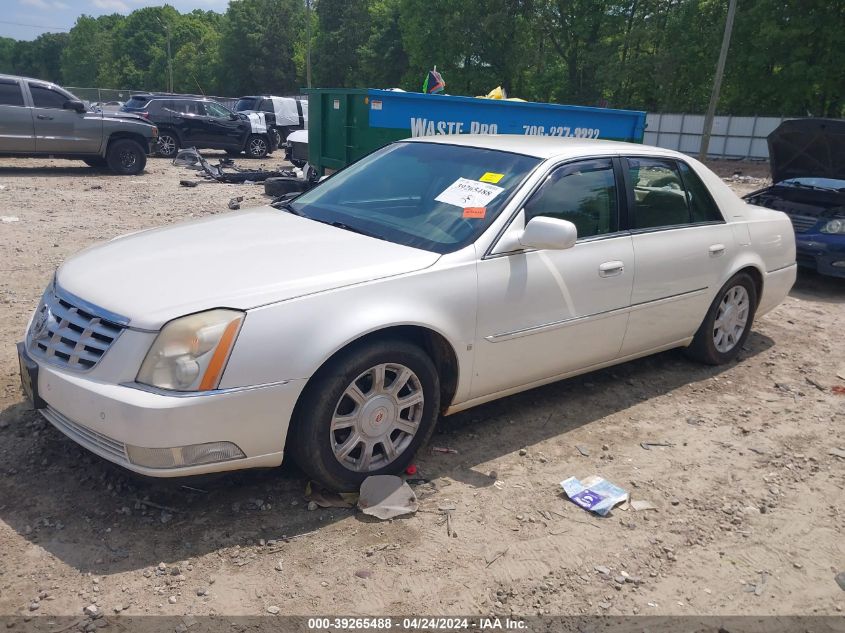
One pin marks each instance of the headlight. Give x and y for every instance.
(190, 353)
(834, 226)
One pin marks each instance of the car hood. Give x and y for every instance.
(236, 260)
(807, 148)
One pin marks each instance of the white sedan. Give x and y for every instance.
(431, 276)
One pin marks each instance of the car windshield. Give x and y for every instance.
(825, 184)
(245, 103)
(430, 196)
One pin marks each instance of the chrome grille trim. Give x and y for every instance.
(69, 336)
(102, 445)
(803, 223)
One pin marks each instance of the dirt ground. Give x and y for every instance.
(749, 501)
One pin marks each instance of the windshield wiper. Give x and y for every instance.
(288, 207)
(346, 227)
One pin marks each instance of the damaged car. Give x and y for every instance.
(284, 114)
(433, 275)
(189, 121)
(807, 160)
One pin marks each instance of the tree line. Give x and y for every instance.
(786, 57)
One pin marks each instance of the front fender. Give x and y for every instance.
(293, 339)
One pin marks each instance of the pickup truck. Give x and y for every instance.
(38, 118)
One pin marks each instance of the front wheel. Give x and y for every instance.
(126, 157)
(366, 413)
(727, 323)
(257, 146)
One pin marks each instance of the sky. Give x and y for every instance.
(27, 19)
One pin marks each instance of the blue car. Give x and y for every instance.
(807, 159)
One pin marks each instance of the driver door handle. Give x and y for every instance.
(611, 269)
(716, 250)
(43, 117)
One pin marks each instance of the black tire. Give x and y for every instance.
(257, 146)
(703, 347)
(97, 162)
(280, 186)
(311, 439)
(126, 157)
(168, 144)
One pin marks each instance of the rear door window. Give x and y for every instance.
(10, 93)
(659, 196)
(702, 206)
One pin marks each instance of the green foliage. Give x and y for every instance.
(658, 55)
(257, 46)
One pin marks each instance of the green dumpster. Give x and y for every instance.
(345, 124)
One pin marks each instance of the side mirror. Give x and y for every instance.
(72, 104)
(233, 116)
(549, 233)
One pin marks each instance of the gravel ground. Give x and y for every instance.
(748, 497)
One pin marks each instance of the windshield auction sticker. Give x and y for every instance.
(467, 193)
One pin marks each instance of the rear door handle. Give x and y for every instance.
(717, 249)
(43, 117)
(611, 269)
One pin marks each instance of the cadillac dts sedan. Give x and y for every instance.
(431, 276)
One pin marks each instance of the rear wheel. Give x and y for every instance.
(168, 144)
(257, 146)
(126, 157)
(727, 323)
(366, 413)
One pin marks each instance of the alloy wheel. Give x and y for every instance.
(731, 319)
(377, 417)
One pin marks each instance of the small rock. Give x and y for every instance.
(604, 605)
(91, 610)
(324, 584)
(797, 565)
(840, 580)
(118, 608)
(620, 580)
(523, 452)
(34, 606)
(363, 573)
(312, 505)
(202, 591)
(604, 571)
(273, 609)
(675, 502)
(162, 567)
(279, 566)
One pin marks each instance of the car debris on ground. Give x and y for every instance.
(386, 497)
(225, 170)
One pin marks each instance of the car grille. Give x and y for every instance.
(69, 336)
(803, 223)
(95, 442)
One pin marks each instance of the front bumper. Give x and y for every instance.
(822, 252)
(112, 420)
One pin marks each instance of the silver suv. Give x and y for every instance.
(38, 118)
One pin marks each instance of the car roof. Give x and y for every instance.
(545, 147)
(171, 97)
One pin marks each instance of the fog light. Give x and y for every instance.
(839, 264)
(178, 456)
